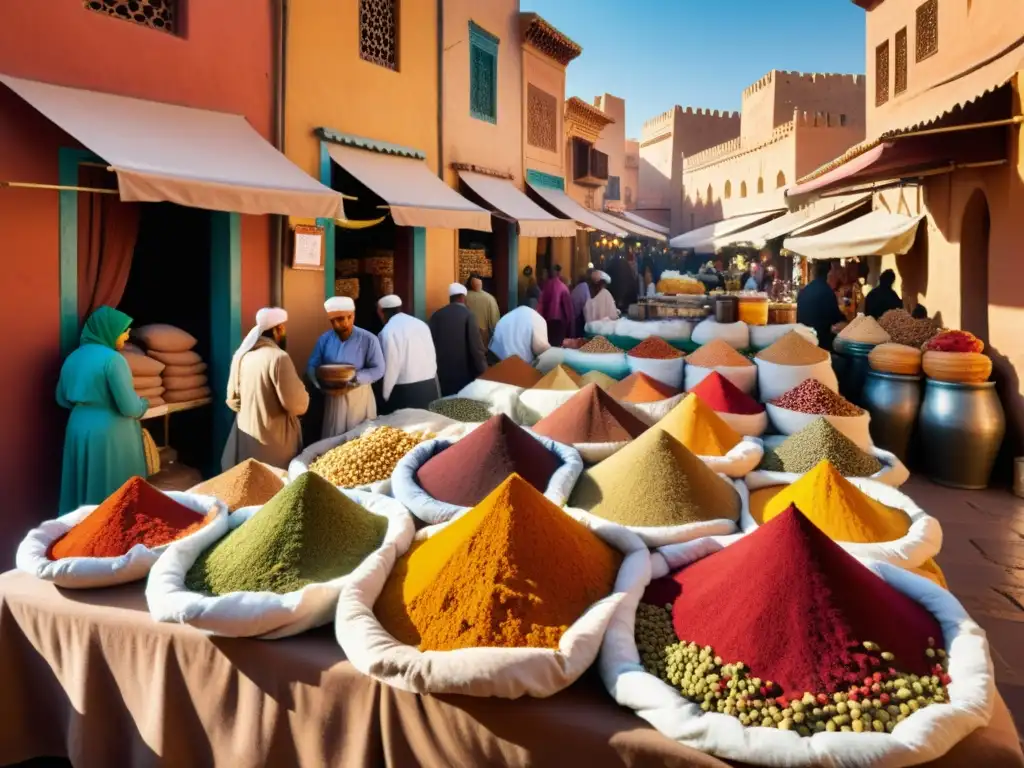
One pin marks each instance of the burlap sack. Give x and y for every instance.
(164, 338)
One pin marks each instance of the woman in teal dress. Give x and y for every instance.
(103, 443)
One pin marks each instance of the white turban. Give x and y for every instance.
(390, 302)
(266, 318)
(337, 304)
(456, 289)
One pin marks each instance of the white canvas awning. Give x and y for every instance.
(701, 240)
(816, 215)
(414, 193)
(533, 220)
(644, 222)
(878, 233)
(168, 153)
(632, 228)
(569, 208)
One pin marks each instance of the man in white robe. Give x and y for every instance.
(410, 363)
(602, 305)
(523, 332)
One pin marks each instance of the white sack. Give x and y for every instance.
(652, 413)
(263, 615)
(600, 328)
(788, 422)
(754, 424)
(407, 419)
(499, 397)
(92, 572)
(744, 377)
(893, 472)
(762, 336)
(549, 359)
(659, 536)
(740, 460)
(506, 673)
(736, 335)
(613, 364)
(774, 380)
(922, 542)
(673, 330)
(924, 736)
(669, 371)
(534, 404)
(430, 510)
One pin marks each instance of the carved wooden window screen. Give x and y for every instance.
(483, 74)
(900, 82)
(927, 32)
(541, 119)
(882, 74)
(378, 32)
(611, 192)
(157, 14)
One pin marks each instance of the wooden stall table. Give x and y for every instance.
(86, 674)
(164, 411)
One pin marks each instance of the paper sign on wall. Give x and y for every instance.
(307, 252)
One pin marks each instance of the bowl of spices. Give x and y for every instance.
(788, 362)
(719, 356)
(734, 406)
(659, 360)
(810, 400)
(823, 658)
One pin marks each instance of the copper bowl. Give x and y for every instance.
(335, 376)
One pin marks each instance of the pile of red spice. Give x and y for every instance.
(803, 620)
(722, 396)
(654, 348)
(640, 388)
(813, 397)
(590, 416)
(471, 468)
(136, 513)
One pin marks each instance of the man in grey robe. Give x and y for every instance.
(461, 356)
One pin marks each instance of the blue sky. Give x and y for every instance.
(657, 53)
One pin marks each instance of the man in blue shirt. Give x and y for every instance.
(817, 307)
(345, 344)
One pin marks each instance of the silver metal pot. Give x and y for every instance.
(850, 361)
(962, 428)
(893, 402)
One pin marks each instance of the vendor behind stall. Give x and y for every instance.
(345, 344)
(817, 306)
(601, 306)
(103, 442)
(410, 363)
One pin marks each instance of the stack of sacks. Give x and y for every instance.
(145, 375)
(184, 374)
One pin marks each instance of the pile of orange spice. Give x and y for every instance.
(515, 571)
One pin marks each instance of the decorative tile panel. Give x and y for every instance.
(483, 74)
(927, 36)
(900, 83)
(882, 74)
(541, 119)
(158, 14)
(378, 32)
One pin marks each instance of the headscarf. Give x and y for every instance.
(104, 326)
(266, 318)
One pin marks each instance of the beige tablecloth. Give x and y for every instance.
(88, 675)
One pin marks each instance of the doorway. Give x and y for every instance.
(974, 242)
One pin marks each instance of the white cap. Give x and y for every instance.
(337, 304)
(606, 277)
(457, 289)
(389, 302)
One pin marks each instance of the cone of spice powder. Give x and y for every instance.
(640, 388)
(590, 416)
(136, 513)
(699, 428)
(560, 378)
(655, 482)
(309, 533)
(513, 371)
(513, 572)
(793, 349)
(820, 441)
(655, 348)
(248, 484)
(722, 396)
(801, 622)
(718, 354)
(472, 467)
(839, 508)
(603, 380)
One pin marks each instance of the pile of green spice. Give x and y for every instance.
(461, 409)
(308, 533)
(802, 452)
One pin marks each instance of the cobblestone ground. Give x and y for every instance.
(983, 560)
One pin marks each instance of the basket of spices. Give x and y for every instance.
(823, 659)
(786, 458)
(442, 479)
(118, 540)
(719, 356)
(647, 398)
(658, 359)
(705, 434)
(788, 362)
(276, 570)
(811, 400)
(733, 406)
(661, 491)
(593, 423)
(511, 599)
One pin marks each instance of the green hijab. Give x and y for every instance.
(104, 326)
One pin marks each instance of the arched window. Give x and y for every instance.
(743, 189)
(710, 194)
(780, 180)
(728, 190)
(760, 185)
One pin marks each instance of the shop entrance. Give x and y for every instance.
(974, 237)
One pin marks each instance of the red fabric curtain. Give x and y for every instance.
(107, 231)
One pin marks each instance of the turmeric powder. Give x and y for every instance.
(839, 508)
(515, 571)
(699, 428)
(930, 570)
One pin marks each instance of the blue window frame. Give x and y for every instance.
(483, 74)
(612, 190)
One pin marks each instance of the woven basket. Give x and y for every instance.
(347, 287)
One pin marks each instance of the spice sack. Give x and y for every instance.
(265, 615)
(789, 422)
(486, 670)
(672, 330)
(893, 473)
(762, 336)
(736, 335)
(922, 541)
(611, 364)
(91, 572)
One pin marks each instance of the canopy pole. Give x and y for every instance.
(1015, 120)
(58, 187)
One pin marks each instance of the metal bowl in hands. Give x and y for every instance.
(335, 376)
